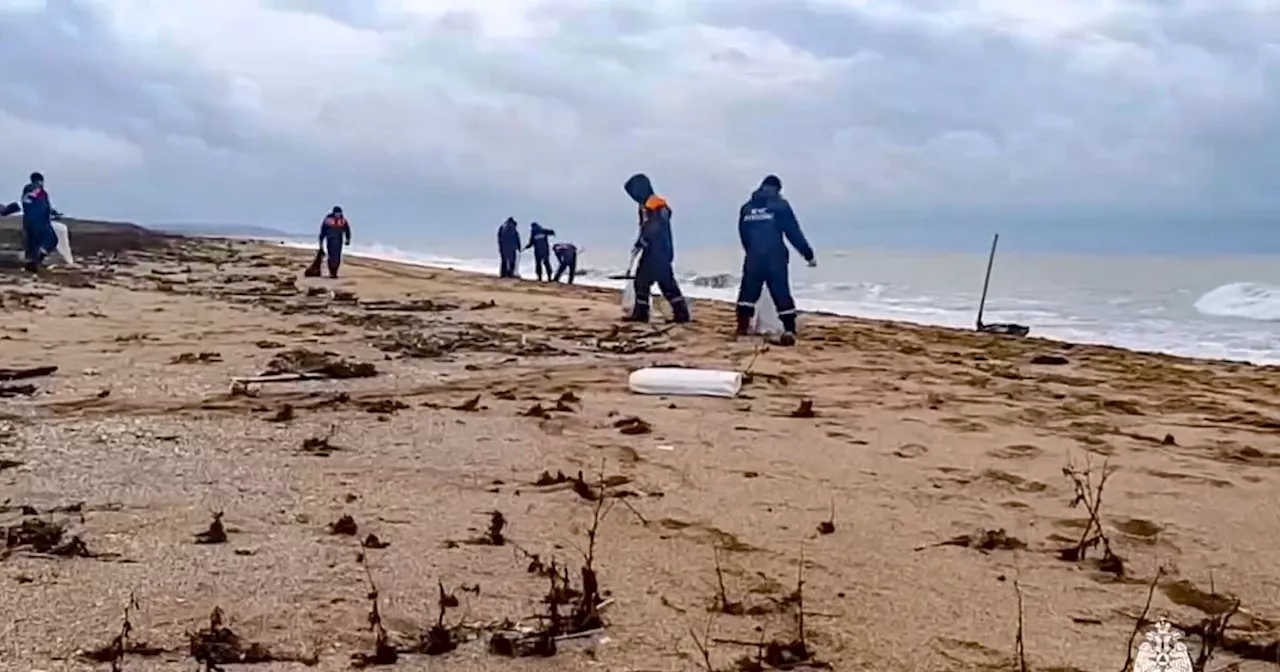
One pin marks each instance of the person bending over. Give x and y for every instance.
(567, 258)
(766, 224)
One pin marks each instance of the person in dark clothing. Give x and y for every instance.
(567, 258)
(38, 237)
(539, 240)
(335, 231)
(766, 224)
(656, 248)
(508, 248)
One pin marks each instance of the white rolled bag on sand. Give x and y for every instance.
(63, 247)
(673, 381)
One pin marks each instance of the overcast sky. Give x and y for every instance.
(438, 118)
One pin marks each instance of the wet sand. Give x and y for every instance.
(918, 436)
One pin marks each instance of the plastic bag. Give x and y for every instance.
(63, 245)
(628, 298)
(766, 320)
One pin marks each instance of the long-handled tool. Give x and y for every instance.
(630, 274)
(1004, 328)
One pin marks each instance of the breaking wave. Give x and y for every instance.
(1244, 300)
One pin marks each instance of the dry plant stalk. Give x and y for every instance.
(1019, 642)
(1089, 493)
(120, 643)
(383, 652)
(1142, 619)
(722, 603)
(586, 615)
(440, 639)
(1213, 632)
(703, 644)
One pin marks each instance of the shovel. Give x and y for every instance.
(630, 274)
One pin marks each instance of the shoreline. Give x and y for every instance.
(692, 293)
(924, 477)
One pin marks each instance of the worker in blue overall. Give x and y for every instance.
(766, 224)
(656, 249)
(38, 236)
(508, 248)
(540, 240)
(567, 260)
(335, 231)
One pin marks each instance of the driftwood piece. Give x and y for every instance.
(17, 390)
(23, 374)
(280, 378)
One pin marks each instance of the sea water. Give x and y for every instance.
(1224, 307)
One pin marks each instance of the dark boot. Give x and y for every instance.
(680, 312)
(788, 337)
(639, 313)
(744, 326)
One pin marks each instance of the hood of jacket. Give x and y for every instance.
(763, 195)
(638, 187)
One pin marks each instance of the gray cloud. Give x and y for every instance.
(271, 110)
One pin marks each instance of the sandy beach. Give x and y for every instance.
(934, 470)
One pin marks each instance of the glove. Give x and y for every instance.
(813, 263)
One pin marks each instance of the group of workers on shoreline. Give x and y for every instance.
(509, 249)
(766, 224)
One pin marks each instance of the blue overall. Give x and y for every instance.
(656, 247)
(567, 256)
(38, 237)
(539, 240)
(335, 231)
(766, 224)
(508, 248)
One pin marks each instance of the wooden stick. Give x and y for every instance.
(580, 635)
(986, 283)
(23, 374)
(281, 378)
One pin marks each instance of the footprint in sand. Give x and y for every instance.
(1140, 528)
(1231, 452)
(989, 477)
(909, 451)
(965, 425)
(1017, 451)
(1192, 478)
(1019, 483)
